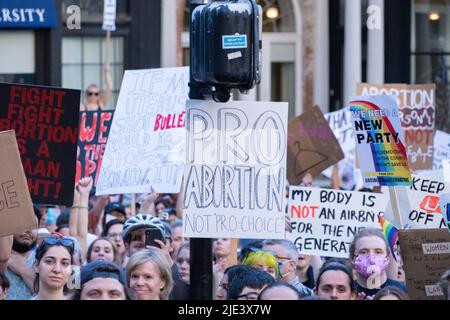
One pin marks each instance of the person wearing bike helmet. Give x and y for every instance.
(134, 233)
(135, 240)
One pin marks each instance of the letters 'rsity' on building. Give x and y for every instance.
(312, 146)
(426, 257)
(417, 109)
(16, 208)
(146, 143)
(234, 181)
(379, 141)
(424, 196)
(324, 221)
(94, 131)
(45, 120)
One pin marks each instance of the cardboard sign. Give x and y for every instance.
(346, 171)
(425, 212)
(379, 141)
(146, 144)
(445, 208)
(417, 113)
(324, 222)
(16, 208)
(45, 120)
(94, 130)
(312, 146)
(234, 182)
(109, 15)
(441, 149)
(426, 256)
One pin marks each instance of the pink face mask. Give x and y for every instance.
(370, 265)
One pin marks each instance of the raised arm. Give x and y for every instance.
(5, 251)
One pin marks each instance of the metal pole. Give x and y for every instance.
(200, 249)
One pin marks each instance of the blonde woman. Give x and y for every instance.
(149, 275)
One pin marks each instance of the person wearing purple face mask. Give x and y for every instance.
(370, 256)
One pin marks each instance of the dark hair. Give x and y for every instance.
(91, 247)
(399, 293)
(62, 226)
(253, 278)
(109, 224)
(63, 218)
(37, 213)
(40, 253)
(280, 284)
(4, 282)
(258, 244)
(337, 266)
(368, 232)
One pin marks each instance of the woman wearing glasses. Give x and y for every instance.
(95, 100)
(53, 266)
(113, 231)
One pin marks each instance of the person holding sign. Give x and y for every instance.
(20, 262)
(370, 256)
(95, 100)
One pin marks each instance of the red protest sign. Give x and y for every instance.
(94, 131)
(45, 120)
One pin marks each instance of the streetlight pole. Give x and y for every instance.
(200, 248)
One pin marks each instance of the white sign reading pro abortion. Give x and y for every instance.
(234, 181)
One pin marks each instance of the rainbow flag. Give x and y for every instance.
(390, 232)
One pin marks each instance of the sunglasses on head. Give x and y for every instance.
(51, 241)
(89, 93)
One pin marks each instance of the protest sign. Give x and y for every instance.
(441, 149)
(446, 170)
(324, 221)
(426, 256)
(45, 120)
(346, 171)
(340, 123)
(234, 181)
(424, 210)
(379, 141)
(94, 130)
(109, 15)
(16, 208)
(312, 146)
(444, 201)
(417, 113)
(146, 143)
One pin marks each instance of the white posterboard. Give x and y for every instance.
(441, 149)
(235, 177)
(324, 221)
(146, 143)
(109, 15)
(341, 124)
(424, 210)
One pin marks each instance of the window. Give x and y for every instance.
(17, 63)
(430, 52)
(82, 63)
